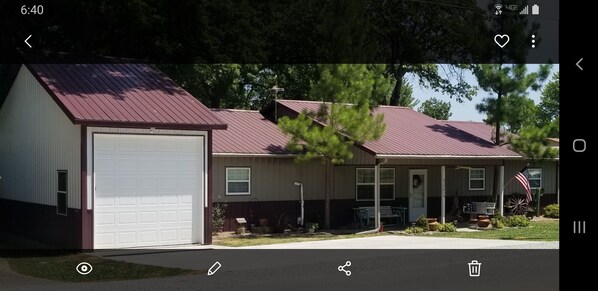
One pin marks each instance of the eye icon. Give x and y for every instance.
(84, 268)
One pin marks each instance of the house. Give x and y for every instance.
(96, 156)
(426, 165)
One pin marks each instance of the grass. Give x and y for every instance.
(251, 240)
(544, 230)
(61, 267)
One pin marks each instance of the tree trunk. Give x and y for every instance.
(328, 184)
(398, 74)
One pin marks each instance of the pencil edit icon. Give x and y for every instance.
(214, 268)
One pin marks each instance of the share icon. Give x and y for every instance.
(342, 268)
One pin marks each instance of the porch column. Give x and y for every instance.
(501, 180)
(442, 194)
(377, 195)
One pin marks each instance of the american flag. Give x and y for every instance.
(522, 179)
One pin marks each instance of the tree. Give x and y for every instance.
(403, 37)
(344, 118)
(532, 140)
(509, 84)
(548, 110)
(407, 99)
(436, 108)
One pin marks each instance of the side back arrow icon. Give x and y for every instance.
(579, 62)
(27, 40)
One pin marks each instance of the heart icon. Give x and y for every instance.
(501, 40)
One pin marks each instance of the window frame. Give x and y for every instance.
(529, 178)
(62, 192)
(483, 179)
(357, 184)
(227, 180)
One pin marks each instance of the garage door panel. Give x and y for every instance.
(127, 218)
(146, 190)
(169, 235)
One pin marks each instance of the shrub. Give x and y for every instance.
(312, 225)
(447, 227)
(415, 229)
(498, 222)
(517, 221)
(422, 222)
(218, 218)
(552, 210)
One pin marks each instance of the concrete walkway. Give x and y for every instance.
(410, 242)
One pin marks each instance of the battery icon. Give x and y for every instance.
(535, 9)
(474, 268)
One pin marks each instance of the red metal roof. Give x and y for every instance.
(123, 95)
(411, 133)
(248, 133)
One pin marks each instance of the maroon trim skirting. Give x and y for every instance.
(41, 223)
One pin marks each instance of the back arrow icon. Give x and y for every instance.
(578, 62)
(27, 40)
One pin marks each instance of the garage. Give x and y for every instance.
(148, 190)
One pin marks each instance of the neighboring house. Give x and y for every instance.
(254, 173)
(104, 156)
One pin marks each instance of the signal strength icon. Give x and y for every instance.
(525, 10)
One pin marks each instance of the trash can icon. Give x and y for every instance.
(474, 268)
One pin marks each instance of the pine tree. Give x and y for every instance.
(344, 119)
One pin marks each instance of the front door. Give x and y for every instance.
(418, 193)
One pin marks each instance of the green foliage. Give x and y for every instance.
(338, 124)
(415, 229)
(312, 226)
(532, 142)
(548, 111)
(552, 211)
(498, 221)
(218, 216)
(407, 99)
(516, 221)
(436, 108)
(422, 222)
(511, 84)
(447, 227)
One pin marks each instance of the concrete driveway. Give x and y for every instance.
(410, 242)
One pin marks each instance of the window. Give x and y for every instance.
(238, 181)
(61, 194)
(365, 181)
(477, 179)
(535, 178)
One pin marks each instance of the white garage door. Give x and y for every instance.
(148, 190)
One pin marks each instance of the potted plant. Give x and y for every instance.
(311, 227)
(483, 220)
(432, 224)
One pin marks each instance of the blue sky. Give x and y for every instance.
(466, 111)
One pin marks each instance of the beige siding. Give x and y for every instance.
(457, 181)
(271, 178)
(549, 176)
(36, 140)
(360, 157)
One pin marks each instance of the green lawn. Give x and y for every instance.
(62, 268)
(283, 238)
(544, 230)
